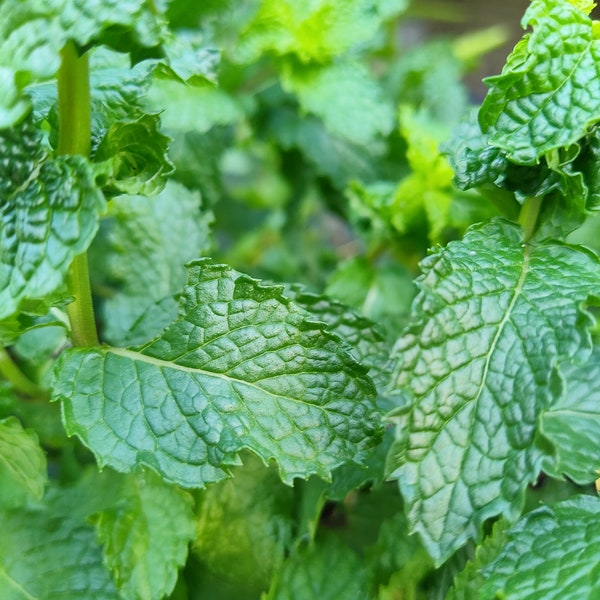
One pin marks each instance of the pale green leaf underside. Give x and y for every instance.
(242, 367)
(145, 533)
(22, 465)
(549, 91)
(49, 213)
(573, 422)
(551, 554)
(477, 367)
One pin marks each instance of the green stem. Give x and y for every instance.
(74, 135)
(11, 372)
(529, 215)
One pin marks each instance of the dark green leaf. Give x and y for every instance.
(476, 368)
(241, 367)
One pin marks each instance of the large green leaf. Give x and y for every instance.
(475, 369)
(549, 91)
(145, 529)
(241, 367)
(553, 553)
(49, 213)
(22, 465)
(572, 424)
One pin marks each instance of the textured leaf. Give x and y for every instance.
(326, 570)
(476, 368)
(549, 91)
(345, 96)
(551, 554)
(49, 212)
(572, 424)
(139, 255)
(22, 465)
(241, 367)
(145, 532)
(46, 554)
(244, 526)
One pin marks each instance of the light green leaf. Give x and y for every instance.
(241, 367)
(476, 368)
(139, 255)
(22, 465)
(46, 554)
(14, 106)
(49, 212)
(549, 91)
(572, 424)
(244, 526)
(345, 96)
(551, 554)
(145, 532)
(326, 570)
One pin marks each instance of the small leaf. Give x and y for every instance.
(22, 465)
(572, 424)
(241, 367)
(145, 532)
(474, 372)
(49, 212)
(550, 554)
(549, 91)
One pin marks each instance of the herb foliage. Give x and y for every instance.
(217, 379)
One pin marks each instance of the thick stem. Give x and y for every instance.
(529, 215)
(74, 134)
(11, 372)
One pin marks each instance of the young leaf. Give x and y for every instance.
(476, 368)
(49, 213)
(549, 91)
(145, 532)
(549, 555)
(22, 465)
(241, 367)
(572, 424)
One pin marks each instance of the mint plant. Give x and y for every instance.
(216, 377)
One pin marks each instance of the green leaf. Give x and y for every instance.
(572, 424)
(244, 526)
(145, 532)
(241, 367)
(476, 368)
(550, 554)
(549, 91)
(46, 554)
(22, 465)
(139, 255)
(345, 96)
(49, 212)
(326, 570)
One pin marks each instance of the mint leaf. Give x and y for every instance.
(145, 532)
(139, 255)
(572, 424)
(327, 570)
(22, 465)
(475, 369)
(549, 554)
(548, 93)
(241, 367)
(49, 211)
(46, 554)
(244, 525)
(345, 96)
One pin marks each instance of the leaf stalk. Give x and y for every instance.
(529, 215)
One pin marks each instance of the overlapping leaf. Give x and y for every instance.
(49, 213)
(241, 367)
(551, 554)
(22, 465)
(549, 91)
(476, 368)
